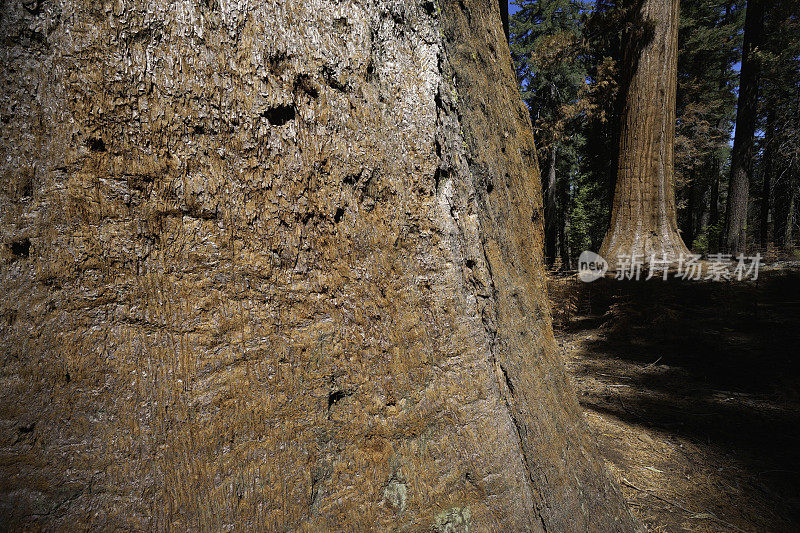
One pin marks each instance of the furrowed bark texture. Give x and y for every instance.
(276, 265)
(643, 217)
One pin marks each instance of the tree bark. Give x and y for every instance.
(785, 200)
(643, 219)
(735, 234)
(694, 208)
(278, 266)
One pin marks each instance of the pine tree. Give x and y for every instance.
(780, 166)
(735, 238)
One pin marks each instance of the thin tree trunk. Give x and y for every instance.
(766, 186)
(713, 201)
(785, 195)
(643, 220)
(735, 234)
(714, 162)
(551, 209)
(563, 241)
(789, 239)
(695, 204)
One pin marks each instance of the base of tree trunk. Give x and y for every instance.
(643, 246)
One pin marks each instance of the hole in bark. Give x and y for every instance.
(280, 115)
(304, 83)
(199, 129)
(352, 179)
(335, 397)
(95, 144)
(337, 217)
(330, 77)
(277, 63)
(341, 24)
(25, 184)
(470, 263)
(437, 177)
(489, 186)
(21, 248)
(429, 7)
(370, 71)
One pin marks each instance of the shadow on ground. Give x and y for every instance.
(691, 389)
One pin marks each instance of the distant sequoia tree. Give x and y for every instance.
(277, 266)
(643, 217)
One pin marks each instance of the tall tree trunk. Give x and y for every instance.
(789, 238)
(232, 275)
(735, 234)
(551, 222)
(694, 209)
(563, 241)
(766, 185)
(643, 220)
(785, 199)
(713, 202)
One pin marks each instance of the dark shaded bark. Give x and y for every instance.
(504, 17)
(735, 234)
(785, 204)
(694, 208)
(643, 220)
(571, 492)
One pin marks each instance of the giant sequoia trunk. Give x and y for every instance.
(643, 217)
(277, 265)
(734, 237)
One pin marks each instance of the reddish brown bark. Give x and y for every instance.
(643, 220)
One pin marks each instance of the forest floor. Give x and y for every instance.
(691, 389)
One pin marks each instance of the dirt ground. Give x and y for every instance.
(691, 390)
